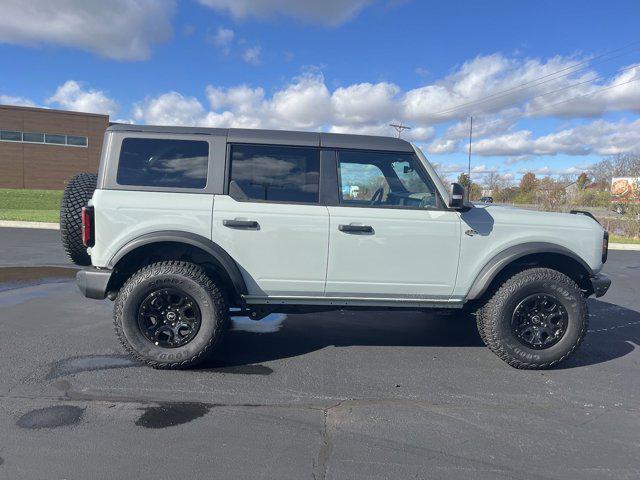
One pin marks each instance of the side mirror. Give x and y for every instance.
(459, 197)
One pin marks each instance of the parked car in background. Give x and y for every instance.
(486, 199)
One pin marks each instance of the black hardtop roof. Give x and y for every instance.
(279, 137)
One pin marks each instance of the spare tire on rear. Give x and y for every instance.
(78, 192)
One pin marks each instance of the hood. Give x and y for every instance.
(510, 215)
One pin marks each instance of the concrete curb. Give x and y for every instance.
(55, 226)
(40, 225)
(624, 246)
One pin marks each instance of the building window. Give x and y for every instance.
(53, 138)
(149, 162)
(274, 173)
(10, 136)
(77, 141)
(37, 137)
(33, 137)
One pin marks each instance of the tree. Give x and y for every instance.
(475, 190)
(583, 180)
(528, 183)
(620, 165)
(464, 180)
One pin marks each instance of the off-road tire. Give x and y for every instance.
(494, 321)
(76, 195)
(191, 279)
(479, 314)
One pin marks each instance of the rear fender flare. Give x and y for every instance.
(216, 251)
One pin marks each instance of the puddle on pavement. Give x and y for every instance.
(51, 417)
(171, 414)
(89, 363)
(269, 324)
(15, 277)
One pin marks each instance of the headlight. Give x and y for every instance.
(605, 246)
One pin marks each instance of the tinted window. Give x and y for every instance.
(11, 136)
(163, 163)
(279, 174)
(74, 140)
(384, 180)
(57, 139)
(33, 137)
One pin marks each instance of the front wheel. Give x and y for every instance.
(170, 315)
(535, 320)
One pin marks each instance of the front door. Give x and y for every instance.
(389, 235)
(271, 222)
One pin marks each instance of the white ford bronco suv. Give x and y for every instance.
(182, 225)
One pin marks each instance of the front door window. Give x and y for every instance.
(384, 180)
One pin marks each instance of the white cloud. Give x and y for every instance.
(327, 12)
(599, 137)
(72, 96)
(169, 109)
(118, 29)
(251, 55)
(223, 38)
(622, 92)
(363, 103)
(17, 101)
(367, 108)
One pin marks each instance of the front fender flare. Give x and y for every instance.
(505, 257)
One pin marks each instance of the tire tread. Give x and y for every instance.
(186, 269)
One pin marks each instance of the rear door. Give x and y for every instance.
(390, 235)
(271, 222)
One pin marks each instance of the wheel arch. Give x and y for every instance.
(177, 245)
(528, 255)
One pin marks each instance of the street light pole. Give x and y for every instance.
(470, 137)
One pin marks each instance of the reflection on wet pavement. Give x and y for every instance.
(16, 277)
(89, 363)
(269, 324)
(51, 417)
(171, 414)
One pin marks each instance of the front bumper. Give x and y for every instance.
(600, 283)
(93, 282)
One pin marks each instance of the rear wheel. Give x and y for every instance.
(76, 195)
(170, 315)
(536, 319)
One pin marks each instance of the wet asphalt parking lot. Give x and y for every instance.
(336, 395)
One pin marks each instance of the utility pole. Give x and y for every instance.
(399, 127)
(470, 137)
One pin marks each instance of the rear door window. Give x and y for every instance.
(151, 162)
(274, 173)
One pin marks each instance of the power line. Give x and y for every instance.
(585, 95)
(568, 100)
(537, 81)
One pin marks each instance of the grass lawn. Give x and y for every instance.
(617, 239)
(30, 205)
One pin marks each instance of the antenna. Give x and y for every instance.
(399, 127)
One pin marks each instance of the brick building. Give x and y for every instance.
(43, 148)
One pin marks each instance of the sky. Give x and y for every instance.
(553, 86)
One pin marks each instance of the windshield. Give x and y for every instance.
(441, 187)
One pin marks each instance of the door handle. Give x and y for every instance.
(241, 224)
(355, 228)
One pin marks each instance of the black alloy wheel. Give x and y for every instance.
(539, 321)
(169, 318)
